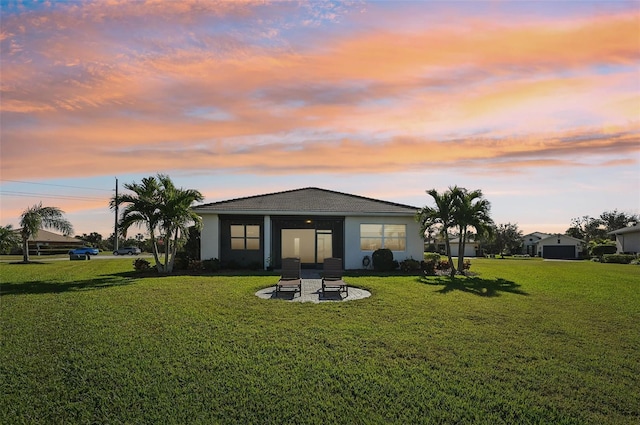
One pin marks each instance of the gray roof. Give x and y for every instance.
(558, 235)
(45, 236)
(630, 229)
(310, 200)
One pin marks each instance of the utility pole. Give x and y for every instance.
(115, 233)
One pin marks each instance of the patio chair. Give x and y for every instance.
(290, 276)
(332, 276)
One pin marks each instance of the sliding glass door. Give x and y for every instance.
(310, 245)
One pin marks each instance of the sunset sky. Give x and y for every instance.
(536, 103)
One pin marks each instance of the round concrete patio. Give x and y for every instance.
(312, 292)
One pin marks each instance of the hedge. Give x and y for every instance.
(618, 258)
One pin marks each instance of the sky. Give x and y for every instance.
(537, 103)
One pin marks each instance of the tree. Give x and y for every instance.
(164, 210)
(38, 217)
(505, 238)
(614, 220)
(141, 209)
(94, 239)
(9, 239)
(586, 228)
(177, 216)
(440, 217)
(599, 247)
(470, 211)
(192, 244)
(458, 209)
(590, 228)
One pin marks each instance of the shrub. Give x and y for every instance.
(432, 256)
(410, 265)
(140, 264)
(181, 262)
(429, 267)
(443, 265)
(195, 265)
(618, 258)
(383, 260)
(600, 250)
(211, 265)
(466, 265)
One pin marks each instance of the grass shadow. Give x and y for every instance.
(17, 263)
(44, 287)
(473, 285)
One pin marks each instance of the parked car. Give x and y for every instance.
(127, 250)
(85, 250)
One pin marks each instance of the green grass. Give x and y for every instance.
(522, 342)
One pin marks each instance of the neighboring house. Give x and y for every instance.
(530, 242)
(311, 224)
(627, 239)
(45, 242)
(471, 248)
(560, 247)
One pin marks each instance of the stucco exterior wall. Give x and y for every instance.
(564, 240)
(210, 238)
(470, 249)
(628, 242)
(353, 255)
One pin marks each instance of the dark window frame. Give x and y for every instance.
(245, 239)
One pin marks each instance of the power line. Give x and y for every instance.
(49, 196)
(57, 185)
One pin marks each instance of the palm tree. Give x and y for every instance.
(157, 204)
(440, 216)
(470, 211)
(8, 239)
(176, 216)
(38, 217)
(141, 209)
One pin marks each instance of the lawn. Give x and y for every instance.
(524, 341)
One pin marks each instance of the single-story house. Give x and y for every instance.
(530, 242)
(560, 247)
(471, 248)
(44, 242)
(311, 224)
(627, 239)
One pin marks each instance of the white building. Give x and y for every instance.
(530, 242)
(627, 239)
(560, 247)
(471, 247)
(311, 224)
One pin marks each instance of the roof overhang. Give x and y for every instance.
(304, 213)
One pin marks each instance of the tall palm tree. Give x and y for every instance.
(470, 211)
(164, 209)
(38, 217)
(176, 216)
(141, 208)
(441, 216)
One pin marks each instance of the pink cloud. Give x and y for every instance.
(480, 93)
(346, 156)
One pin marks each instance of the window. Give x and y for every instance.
(245, 237)
(376, 236)
(395, 237)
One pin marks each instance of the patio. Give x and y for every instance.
(312, 291)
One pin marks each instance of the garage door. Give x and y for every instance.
(559, 251)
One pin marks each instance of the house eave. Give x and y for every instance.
(625, 230)
(305, 213)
